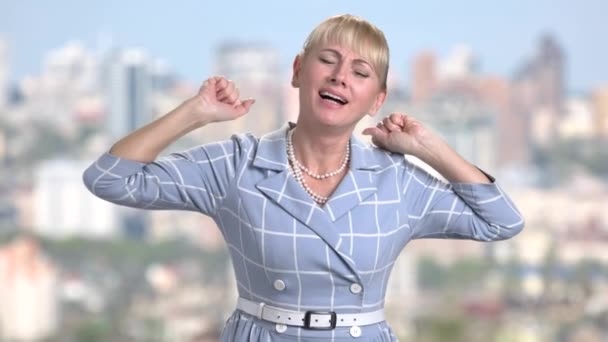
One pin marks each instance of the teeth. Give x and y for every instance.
(324, 93)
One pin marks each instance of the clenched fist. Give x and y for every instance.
(218, 100)
(400, 133)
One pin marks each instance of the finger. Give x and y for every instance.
(227, 85)
(408, 118)
(409, 122)
(370, 131)
(208, 84)
(229, 97)
(224, 94)
(390, 125)
(233, 97)
(378, 135)
(396, 119)
(381, 127)
(243, 107)
(221, 83)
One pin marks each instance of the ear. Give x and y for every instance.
(378, 103)
(297, 66)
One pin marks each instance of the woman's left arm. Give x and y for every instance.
(403, 134)
(437, 213)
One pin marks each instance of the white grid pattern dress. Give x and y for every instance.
(276, 233)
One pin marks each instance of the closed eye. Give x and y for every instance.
(326, 61)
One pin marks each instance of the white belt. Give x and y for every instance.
(318, 320)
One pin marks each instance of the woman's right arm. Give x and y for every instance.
(194, 180)
(217, 100)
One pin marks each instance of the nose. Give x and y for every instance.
(339, 75)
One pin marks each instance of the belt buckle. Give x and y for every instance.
(332, 320)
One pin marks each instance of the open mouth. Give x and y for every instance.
(331, 97)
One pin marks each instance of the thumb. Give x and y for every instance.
(243, 107)
(378, 135)
(208, 84)
(375, 132)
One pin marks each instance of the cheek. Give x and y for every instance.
(367, 96)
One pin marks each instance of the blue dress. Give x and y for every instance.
(276, 233)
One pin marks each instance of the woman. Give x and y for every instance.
(313, 217)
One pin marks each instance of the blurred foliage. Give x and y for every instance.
(93, 331)
(564, 157)
(128, 256)
(45, 143)
(462, 274)
(433, 329)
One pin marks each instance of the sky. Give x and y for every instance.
(501, 34)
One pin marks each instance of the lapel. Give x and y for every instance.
(285, 191)
(358, 184)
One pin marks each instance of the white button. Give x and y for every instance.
(355, 331)
(281, 328)
(279, 285)
(355, 288)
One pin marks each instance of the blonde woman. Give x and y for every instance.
(313, 217)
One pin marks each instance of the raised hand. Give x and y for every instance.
(218, 100)
(400, 133)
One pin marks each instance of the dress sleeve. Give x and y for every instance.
(437, 209)
(197, 179)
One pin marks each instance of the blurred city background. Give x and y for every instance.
(520, 89)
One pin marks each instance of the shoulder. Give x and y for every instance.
(368, 156)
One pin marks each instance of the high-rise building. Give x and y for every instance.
(544, 75)
(29, 304)
(459, 64)
(600, 107)
(3, 73)
(3, 146)
(63, 207)
(512, 126)
(70, 71)
(549, 73)
(424, 77)
(128, 87)
(256, 70)
(467, 124)
(577, 121)
(162, 76)
(538, 97)
(70, 75)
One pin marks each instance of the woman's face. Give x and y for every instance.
(337, 86)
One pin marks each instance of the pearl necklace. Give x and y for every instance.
(316, 175)
(297, 169)
(301, 166)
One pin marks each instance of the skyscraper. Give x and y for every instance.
(538, 96)
(128, 86)
(63, 208)
(424, 77)
(600, 106)
(512, 126)
(549, 73)
(459, 64)
(255, 69)
(3, 73)
(543, 74)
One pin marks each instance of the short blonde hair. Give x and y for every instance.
(357, 34)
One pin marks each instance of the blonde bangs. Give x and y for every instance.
(356, 34)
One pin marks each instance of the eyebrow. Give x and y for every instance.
(358, 60)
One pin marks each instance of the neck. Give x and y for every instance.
(319, 151)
